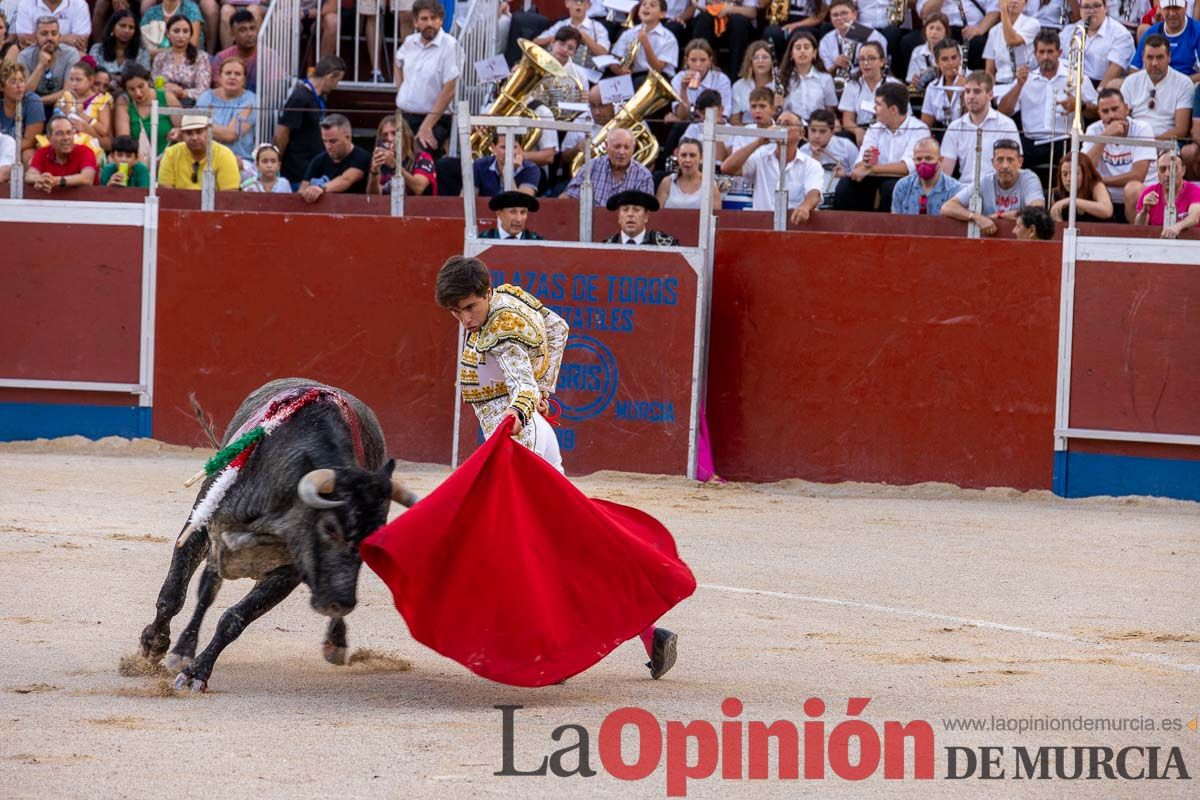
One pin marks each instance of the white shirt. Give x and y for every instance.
(427, 68)
(665, 45)
(858, 97)
(1112, 43)
(1117, 159)
(894, 146)
(1172, 93)
(738, 142)
(740, 92)
(959, 142)
(8, 150)
(1041, 116)
(801, 176)
(641, 237)
(873, 13)
(715, 80)
(840, 150)
(974, 12)
(589, 26)
(74, 18)
(1048, 13)
(943, 103)
(922, 59)
(810, 92)
(997, 49)
(1134, 13)
(831, 47)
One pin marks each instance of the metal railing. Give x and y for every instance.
(476, 34)
(278, 63)
(1077, 140)
(507, 127)
(711, 131)
(208, 185)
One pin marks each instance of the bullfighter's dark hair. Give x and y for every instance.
(459, 278)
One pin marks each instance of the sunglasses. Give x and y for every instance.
(923, 204)
(195, 171)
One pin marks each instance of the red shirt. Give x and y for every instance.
(81, 158)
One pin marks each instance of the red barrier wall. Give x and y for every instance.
(625, 385)
(1135, 362)
(243, 299)
(70, 308)
(882, 358)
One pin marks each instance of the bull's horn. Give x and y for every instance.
(315, 484)
(401, 494)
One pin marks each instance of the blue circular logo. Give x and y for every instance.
(587, 381)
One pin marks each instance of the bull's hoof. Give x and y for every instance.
(177, 663)
(334, 654)
(195, 685)
(154, 644)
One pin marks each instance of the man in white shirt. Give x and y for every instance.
(1010, 44)
(802, 176)
(1109, 47)
(1119, 165)
(427, 71)
(1045, 101)
(74, 21)
(1158, 94)
(835, 154)
(886, 155)
(958, 145)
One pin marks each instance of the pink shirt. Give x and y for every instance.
(1185, 195)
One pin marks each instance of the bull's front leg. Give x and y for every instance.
(185, 646)
(266, 594)
(156, 637)
(335, 646)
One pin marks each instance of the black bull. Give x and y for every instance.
(298, 512)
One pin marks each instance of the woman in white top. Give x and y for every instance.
(698, 74)
(684, 189)
(266, 159)
(858, 97)
(809, 86)
(758, 69)
(936, 28)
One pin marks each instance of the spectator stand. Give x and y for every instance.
(637, 370)
(279, 63)
(1110, 253)
(84, 356)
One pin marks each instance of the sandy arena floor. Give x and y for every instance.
(934, 602)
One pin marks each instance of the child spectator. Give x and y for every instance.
(123, 167)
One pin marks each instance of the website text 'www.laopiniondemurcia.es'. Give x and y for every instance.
(738, 749)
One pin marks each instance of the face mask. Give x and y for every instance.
(926, 170)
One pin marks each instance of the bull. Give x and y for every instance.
(305, 499)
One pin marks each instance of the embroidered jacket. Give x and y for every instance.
(653, 239)
(494, 233)
(513, 358)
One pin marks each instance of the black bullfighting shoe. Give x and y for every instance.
(663, 656)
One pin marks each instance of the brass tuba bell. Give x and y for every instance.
(650, 96)
(535, 64)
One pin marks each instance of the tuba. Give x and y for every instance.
(535, 65)
(651, 96)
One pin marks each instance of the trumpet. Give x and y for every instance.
(1075, 76)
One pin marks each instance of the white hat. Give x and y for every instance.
(196, 122)
(1173, 3)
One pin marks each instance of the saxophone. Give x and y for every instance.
(777, 12)
(895, 12)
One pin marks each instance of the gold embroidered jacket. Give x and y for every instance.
(513, 358)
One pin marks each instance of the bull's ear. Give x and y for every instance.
(389, 467)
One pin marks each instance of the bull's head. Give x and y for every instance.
(346, 505)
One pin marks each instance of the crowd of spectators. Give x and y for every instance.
(878, 117)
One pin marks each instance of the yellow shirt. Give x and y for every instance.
(176, 169)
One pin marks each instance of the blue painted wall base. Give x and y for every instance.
(1091, 474)
(22, 421)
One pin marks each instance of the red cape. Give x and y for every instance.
(511, 571)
